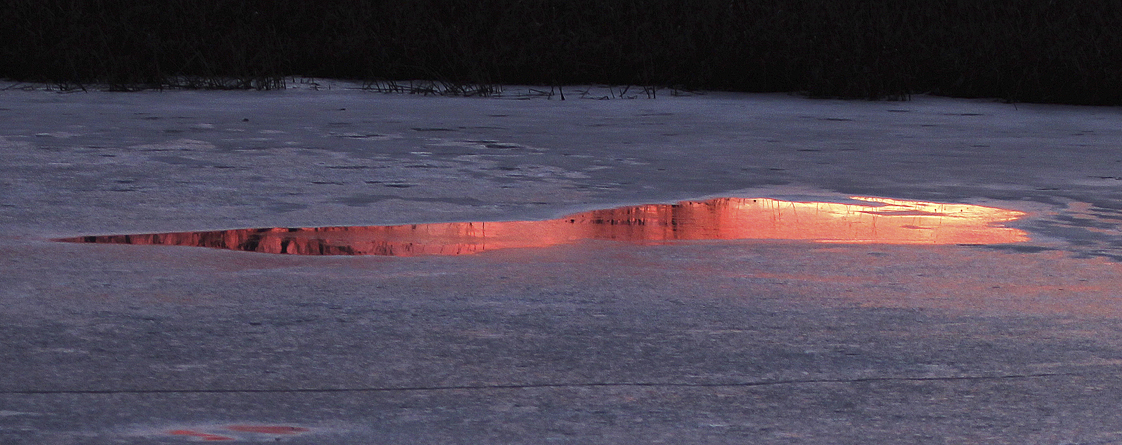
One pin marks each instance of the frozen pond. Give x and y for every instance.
(188, 161)
(704, 268)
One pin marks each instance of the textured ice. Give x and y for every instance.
(100, 163)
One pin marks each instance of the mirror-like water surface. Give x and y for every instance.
(874, 220)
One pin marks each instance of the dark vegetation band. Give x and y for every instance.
(1066, 51)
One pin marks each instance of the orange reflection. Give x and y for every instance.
(877, 220)
(201, 436)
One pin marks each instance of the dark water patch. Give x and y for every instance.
(362, 136)
(284, 207)
(503, 146)
(1018, 248)
(360, 200)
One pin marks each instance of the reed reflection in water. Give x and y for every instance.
(874, 220)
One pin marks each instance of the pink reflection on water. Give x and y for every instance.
(875, 220)
(266, 432)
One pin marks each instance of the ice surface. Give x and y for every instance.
(599, 342)
(102, 163)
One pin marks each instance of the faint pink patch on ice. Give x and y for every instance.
(203, 436)
(267, 429)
